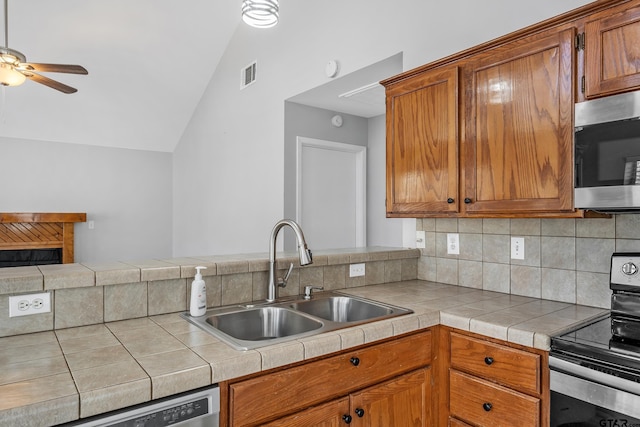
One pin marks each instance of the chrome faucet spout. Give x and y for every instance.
(303, 252)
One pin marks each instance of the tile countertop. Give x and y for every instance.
(53, 377)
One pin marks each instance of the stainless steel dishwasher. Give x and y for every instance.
(198, 408)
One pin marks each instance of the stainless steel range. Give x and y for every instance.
(595, 370)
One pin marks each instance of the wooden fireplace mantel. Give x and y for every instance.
(39, 231)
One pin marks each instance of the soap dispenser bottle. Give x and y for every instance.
(198, 305)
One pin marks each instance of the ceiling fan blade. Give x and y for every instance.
(51, 83)
(55, 68)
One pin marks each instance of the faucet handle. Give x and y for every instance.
(309, 289)
(283, 282)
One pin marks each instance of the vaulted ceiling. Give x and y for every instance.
(149, 62)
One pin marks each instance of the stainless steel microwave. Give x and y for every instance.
(607, 153)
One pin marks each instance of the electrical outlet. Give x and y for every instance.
(453, 244)
(517, 248)
(421, 239)
(356, 270)
(25, 305)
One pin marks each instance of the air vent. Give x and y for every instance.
(248, 75)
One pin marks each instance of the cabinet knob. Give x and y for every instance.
(487, 406)
(467, 200)
(450, 200)
(488, 360)
(355, 361)
(347, 419)
(360, 412)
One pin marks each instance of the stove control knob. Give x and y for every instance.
(629, 268)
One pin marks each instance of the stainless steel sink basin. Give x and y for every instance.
(258, 324)
(342, 309)
(263, 323)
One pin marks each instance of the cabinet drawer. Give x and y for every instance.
(483, 403)
(269, 396)
(509, 366)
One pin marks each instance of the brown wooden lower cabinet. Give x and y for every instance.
(438, 377)
(485, 403)
(483, 381)
(386, 384)
(399, 402)
(457, 423)
(328, 415)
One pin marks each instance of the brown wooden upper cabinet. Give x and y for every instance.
(612, 51)
(422, 144)
(513, 107)
(488, 132)
(519, 132)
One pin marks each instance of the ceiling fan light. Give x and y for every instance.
(10, 77)
(260, 13)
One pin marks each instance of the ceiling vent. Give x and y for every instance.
(248, 75)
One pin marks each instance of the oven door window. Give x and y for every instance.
(608, 154)
(570, 412)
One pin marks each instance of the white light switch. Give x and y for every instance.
(453, 244)
(421, 238)
(517, 248)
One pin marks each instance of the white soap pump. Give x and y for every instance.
(198, 305)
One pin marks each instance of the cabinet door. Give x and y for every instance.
(612, 52)
(402, 402)
(457, 423)
(422, 144)
(328, 415)
(519, 138)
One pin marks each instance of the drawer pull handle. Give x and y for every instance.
(450, 200)
(360, 412)
(467, 200)
(355, 361)
(347, 419)
(487, 406)
(488, 360)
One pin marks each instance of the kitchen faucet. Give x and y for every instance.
(304, 253)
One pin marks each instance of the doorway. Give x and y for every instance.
(331, 193)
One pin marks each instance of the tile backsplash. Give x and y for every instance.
(564, 259)
(93, 293)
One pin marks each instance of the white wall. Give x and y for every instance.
(231, 155)
(127, 193)
(302, 120)
(381, 231)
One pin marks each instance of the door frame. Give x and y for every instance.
(361, 179)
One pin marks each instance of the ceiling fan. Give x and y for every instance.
(14, 68)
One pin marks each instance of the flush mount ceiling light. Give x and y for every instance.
(260, 13)
(14, 69)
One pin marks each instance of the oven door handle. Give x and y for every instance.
(580, 383)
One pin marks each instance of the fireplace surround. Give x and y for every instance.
(38, 237)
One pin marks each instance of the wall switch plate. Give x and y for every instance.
(356, 270)
(25, 305)
(421, 239)
(453, 244)
(91, 225)
(517, 248)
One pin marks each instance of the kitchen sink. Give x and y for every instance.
(342, 309)
(263, 323)
(258, 324)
